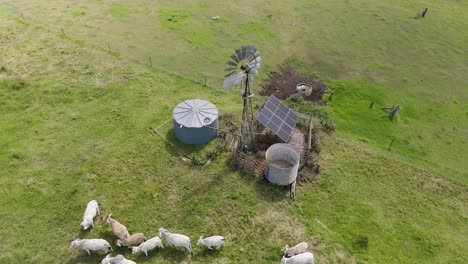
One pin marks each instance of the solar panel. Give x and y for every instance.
(263, 118)
(282, 113)
(284, 132)
(270, 106)
(278, 118)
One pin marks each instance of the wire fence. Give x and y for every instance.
(6, 9)
(11, 12)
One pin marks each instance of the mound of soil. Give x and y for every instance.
(266, 139)
(283, 85)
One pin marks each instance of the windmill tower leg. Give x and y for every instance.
(244, 129)
(247, 118)
(249, 115)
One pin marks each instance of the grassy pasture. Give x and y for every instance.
(421, 63)
(74, 127)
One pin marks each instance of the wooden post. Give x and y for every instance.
(292, 190)
(309, 143)
(108, 45)
(187, 39)
(371, 105)
(205, 79)
(151, 63)
(317, 169)
(63, 31)
(424, 12)
(391, 144)
(394, 112)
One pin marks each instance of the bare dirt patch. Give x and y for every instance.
(283, 84)
(266, 139)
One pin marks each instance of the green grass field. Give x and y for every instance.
(75, 124)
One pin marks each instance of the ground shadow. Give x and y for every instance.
(141, 257)
(185, 148)
(264, 189)
(208, 253)
(83, 233)
(174, 254)
(180, 150)
(96, 257)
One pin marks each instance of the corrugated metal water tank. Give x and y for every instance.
(282, 161)
(195, 121)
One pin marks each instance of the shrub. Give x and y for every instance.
(316, 146)
(16, 156)
(362, 241)
(197, 161)
(15, 84)
(328, 124)
(302, 124)
(297, 98)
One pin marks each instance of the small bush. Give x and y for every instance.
(228, 122)
(363, 139)
(3, 69)
(297, 98)
(328, 125)
(312, 159)
(17, 156)
(302, 124)
(197, 161)
(362, 241)
(15, 84)
(316, 146)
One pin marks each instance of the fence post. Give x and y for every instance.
(391, 144)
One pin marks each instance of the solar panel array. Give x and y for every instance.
(278, 118)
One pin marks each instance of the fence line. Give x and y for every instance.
(250, 163)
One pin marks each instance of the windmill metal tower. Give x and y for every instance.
(244, 64)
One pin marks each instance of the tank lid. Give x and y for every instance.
(195, 113)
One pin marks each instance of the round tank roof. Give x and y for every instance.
(195, 113)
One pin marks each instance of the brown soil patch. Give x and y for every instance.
(283, 84)
(266, 139)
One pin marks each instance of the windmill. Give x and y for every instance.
(244, 63)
